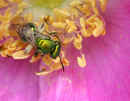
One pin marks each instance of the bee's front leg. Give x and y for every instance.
(46, 19)
(41, 27)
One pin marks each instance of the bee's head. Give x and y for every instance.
(26, 32)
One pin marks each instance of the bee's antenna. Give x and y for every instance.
(61, 63)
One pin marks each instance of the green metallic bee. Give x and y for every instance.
(43, 43)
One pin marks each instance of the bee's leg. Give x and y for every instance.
(52, 33)
(62, 64)
(41, 28)
(55, 35)
(28, 49)
(45, 21)
(37, 52)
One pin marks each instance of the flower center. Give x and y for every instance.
(65, 25)
(47, 3)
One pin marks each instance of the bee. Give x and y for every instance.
(44, 44)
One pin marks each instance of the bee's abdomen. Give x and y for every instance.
(41, 43)
(45, 45)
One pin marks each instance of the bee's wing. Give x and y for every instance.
(43, 36)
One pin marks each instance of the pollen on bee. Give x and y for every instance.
(81, 61)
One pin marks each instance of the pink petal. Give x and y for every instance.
(67, 86)
(106, 78)
(109, 62)
(18, 81)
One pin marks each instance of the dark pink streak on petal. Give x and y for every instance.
(108, 73)
(18, 81)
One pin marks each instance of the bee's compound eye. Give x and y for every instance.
(34, 34)
(29, 39)
(22, 36)
(32, 26)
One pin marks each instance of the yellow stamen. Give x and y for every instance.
(74, 13)
(3, 3)
(66, 62)
(103, 4)
(47, 60)
(94, 7)
(75, 3)
(61, 14)
(81, 61)
(15, 1)
(77, 42)
(71, 27)
(6, 17)
(35, 58)
(56, 66)
(85, 8)
(67, 40)
(21, 7)
(59, 25)
(44, 73)
(20, 55)
(28, 17)
(85, 32)
(97, 25)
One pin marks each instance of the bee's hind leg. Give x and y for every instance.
(37, 52)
